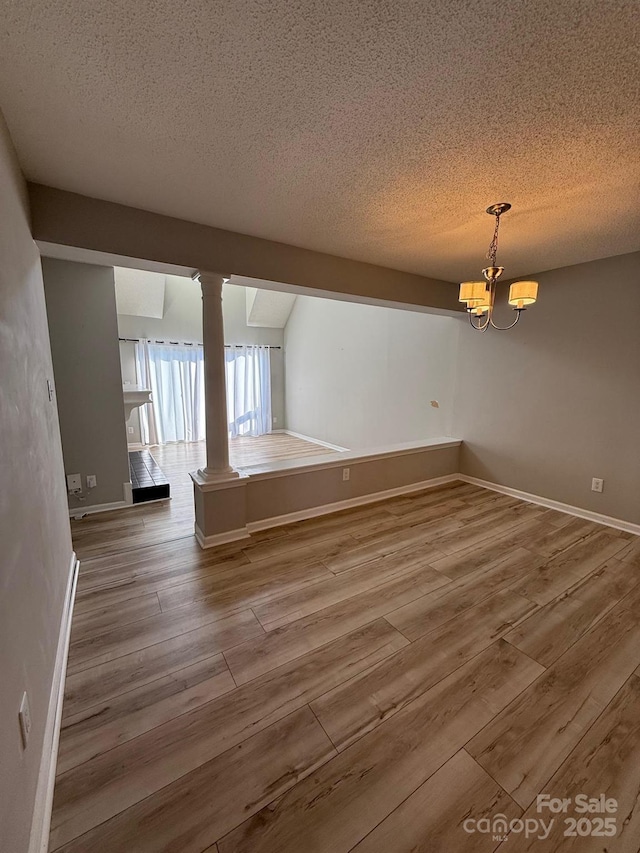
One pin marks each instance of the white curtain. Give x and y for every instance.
(248, 371)
(175, 375)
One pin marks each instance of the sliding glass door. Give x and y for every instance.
(248, 373)
(175, 375)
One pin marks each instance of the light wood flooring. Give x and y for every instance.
(151, 523)
(365, 681)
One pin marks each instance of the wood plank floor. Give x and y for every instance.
(152, 523)
(366, 681)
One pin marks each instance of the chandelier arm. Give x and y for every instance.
(506, 328)
(480, 327)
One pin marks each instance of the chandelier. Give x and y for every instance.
(480, 295)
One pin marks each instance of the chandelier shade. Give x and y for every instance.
(523, 293)
(472, 292)
(479, 296)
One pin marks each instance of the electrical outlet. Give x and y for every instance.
(130, 430)
(24, 718)
(597, 485)
(92, 481)
(275, 420)
(346, 474)
(74, 483)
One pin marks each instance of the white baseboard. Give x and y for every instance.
(41, 822)
(80, 511)
(587, 514)
(362, 500)
(312, 440)
(127, 491)
(220, 538)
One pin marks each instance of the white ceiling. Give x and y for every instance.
(268, 309)
(376, 130)
(139, 293)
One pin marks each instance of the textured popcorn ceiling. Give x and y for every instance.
(378, 129)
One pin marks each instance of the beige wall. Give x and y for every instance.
(362, 376)
(34, 526)
(294, 491)
(81, 308)
(556, 401)
(265, 496)
(67, 219)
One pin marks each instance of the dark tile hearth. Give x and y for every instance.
(147, 479)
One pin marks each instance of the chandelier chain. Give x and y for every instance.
(493, 246)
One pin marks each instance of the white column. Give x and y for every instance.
(217, 467)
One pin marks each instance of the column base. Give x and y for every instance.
(213, 540)
(221, 507)
(210, 476)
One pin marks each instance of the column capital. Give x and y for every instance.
(210, 281)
